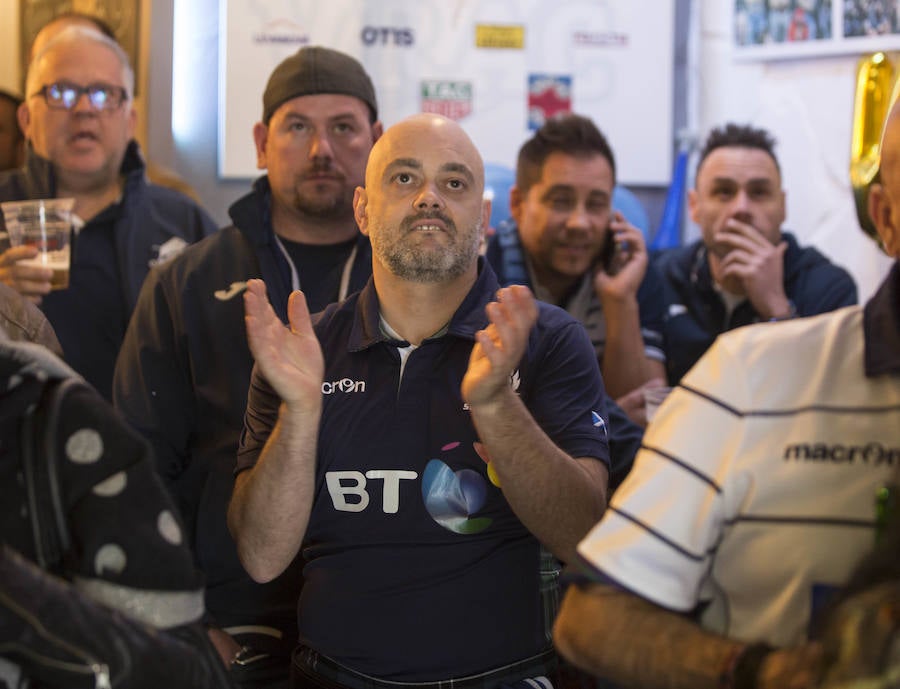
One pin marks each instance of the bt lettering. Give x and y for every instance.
(348, 488)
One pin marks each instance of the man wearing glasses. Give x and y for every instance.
(78, 118)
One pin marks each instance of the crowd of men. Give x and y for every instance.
(386, 434)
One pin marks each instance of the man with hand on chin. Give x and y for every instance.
(744, 269)
(428, 450)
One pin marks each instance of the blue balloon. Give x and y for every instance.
(668, 234)
(498, 179)
(629, 205)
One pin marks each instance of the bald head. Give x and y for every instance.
(884, 198)
(63, 21)
(423, 205)
(411, 137)
(890, 147)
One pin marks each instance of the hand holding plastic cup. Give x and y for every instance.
(653, 397)
(47, 225)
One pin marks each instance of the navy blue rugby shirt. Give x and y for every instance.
(416, 567)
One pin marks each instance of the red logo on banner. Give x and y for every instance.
(547, 96)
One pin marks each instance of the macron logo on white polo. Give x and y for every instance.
(345, 385)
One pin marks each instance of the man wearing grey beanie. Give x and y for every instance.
(183, 372)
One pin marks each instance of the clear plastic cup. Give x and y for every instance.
(47, 225)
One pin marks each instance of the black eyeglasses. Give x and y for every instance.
(63, 95)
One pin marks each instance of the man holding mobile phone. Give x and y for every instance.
(567, 242)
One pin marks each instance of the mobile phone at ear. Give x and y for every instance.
(608, 253)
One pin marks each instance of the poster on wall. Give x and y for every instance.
(499, 67)
(781, 29)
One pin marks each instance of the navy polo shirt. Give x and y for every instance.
(417, 568)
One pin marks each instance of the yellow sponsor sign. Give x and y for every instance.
(499, 36)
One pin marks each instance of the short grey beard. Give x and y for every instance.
(408, 264)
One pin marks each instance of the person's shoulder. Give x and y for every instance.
(337, 314)
(809, 270)
(792, 337)
(12, 187)
(806, 362)
(505, 254)
(552, 316)
(226, 250)
(651, 283)
(555, 324)
(171, 198)
(675, 261)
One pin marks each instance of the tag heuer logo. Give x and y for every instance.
(451, 99)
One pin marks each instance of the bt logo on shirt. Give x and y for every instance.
(450, 497)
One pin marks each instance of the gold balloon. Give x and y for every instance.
(877, 87)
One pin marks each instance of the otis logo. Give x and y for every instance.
(343, 385)
(387, 35)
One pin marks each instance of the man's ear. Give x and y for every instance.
(377, 130)
(132, 121)
(516, 200)
(260, 138)
(360, 199)
(882, 217)
(783, 207)
(692, 203)
(23, 114)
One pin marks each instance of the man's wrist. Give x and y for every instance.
(784, 314)
(742, 668)
(496, 403)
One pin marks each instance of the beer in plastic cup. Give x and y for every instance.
(46, 224)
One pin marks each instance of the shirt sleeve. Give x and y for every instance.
(825, 290)
(151, 386)
(565, 395)
(651, 303)
(659, 535)
(259, 420)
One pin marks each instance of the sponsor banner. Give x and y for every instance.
(600, 39)
(547, 96)
(401, 37)
(470, 62)
(497, 36)
(451, 99)
(282, 32)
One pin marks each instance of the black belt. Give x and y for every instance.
(312, 670)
